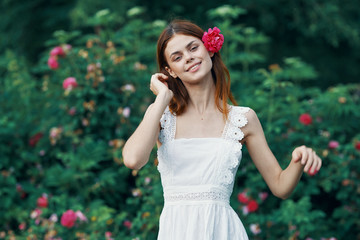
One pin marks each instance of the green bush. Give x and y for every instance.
(61, 147)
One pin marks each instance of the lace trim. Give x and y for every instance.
(229, 162)
(233, 132)
(237, 120)
(162, 157)
(197, 196)
(167, 133)
(168, 125)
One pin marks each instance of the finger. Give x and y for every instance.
(161, 76)
(309, 161)
(304, 154)
(296, 156)
(158, 78)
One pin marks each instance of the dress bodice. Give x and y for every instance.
(194, 169)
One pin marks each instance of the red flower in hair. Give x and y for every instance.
(213, 40)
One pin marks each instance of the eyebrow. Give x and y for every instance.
(187, 46)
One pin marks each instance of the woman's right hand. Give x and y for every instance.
(159, 86)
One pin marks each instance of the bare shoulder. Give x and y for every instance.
(251, 116)
(253, 125)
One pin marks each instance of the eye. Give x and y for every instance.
(193, 48)
(176, 58)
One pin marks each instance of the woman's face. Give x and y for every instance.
(188, 58)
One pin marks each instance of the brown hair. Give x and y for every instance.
(219, 71)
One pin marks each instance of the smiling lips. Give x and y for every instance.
(194, 67)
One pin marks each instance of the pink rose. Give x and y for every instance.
(22, 226)
(68, 219)
(70, 83)
(42, 201)
(242, 197)
(305, 119)
(127, 224)
(333, 144)
(57, 51)
(213, 40)
(252, 206)
(53, 63)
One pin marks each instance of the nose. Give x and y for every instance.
(188, 57)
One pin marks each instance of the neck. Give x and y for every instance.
(202, 95)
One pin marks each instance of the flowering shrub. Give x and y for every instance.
(69, 180)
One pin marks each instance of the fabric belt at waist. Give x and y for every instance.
(199, 193)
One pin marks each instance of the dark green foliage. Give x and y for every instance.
(26, 25)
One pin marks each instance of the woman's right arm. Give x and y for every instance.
(138, 147)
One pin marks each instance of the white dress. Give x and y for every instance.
(197, 175)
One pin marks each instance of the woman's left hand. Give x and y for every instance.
(307, 158)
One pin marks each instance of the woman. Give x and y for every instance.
(200, 137)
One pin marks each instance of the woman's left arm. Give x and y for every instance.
(281, 182)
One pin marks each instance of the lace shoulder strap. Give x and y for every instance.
(168, 125)
(236, 121)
